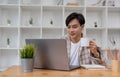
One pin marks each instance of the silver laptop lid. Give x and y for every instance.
(50, 53)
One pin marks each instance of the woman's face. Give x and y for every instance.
(74, 29)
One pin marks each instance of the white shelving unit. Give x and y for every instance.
(49, 22)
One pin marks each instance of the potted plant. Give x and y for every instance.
(8, 22)
(31, 21)
(95, 24)
(113, 42)
(8, 42)
(51, 22)
(27, 57)
(60, 2)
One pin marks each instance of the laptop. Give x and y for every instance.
(51, 54)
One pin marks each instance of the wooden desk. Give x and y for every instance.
(15, 71)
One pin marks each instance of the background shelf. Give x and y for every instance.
(12, 34)
(10, 59)
(28, 12)
(49, 22)
(26, 33)
(114, 35)
(9, 16)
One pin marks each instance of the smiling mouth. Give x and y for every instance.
(72, 34)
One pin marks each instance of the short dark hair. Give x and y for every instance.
(77, 16)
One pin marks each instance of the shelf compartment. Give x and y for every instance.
(28, 13)
(29, 2)
(52, 2)
(9, 16)
(95, 3)
(28, 33)
(113, 3)
(51, 33)
(96, 15)
(69, 10)
(113, 34)
(114, 17)
(51, 16)
(12, 34)
(95, 28)
(8, 58)
(9, 1)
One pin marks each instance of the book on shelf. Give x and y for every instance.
(72, 4)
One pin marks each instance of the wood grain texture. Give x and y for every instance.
(15, 71)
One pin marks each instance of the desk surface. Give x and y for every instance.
(15, 71)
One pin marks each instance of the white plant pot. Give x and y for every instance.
(8, 46)
(9, 24)
(27, 65)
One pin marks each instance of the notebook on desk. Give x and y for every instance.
(51, 54)
(93, 66)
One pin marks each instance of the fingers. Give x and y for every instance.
(93, 46)
(96, 60)
(110, 54)
(118, 54)
(99, 61)
(115, 54)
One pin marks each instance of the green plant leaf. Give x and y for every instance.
(27, 51)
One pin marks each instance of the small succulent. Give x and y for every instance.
(94, 39)
(31, 20)
(8, 41)
(60, 2)
(8, 21)
(95, 24)
(51, 22)
(113, 42)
